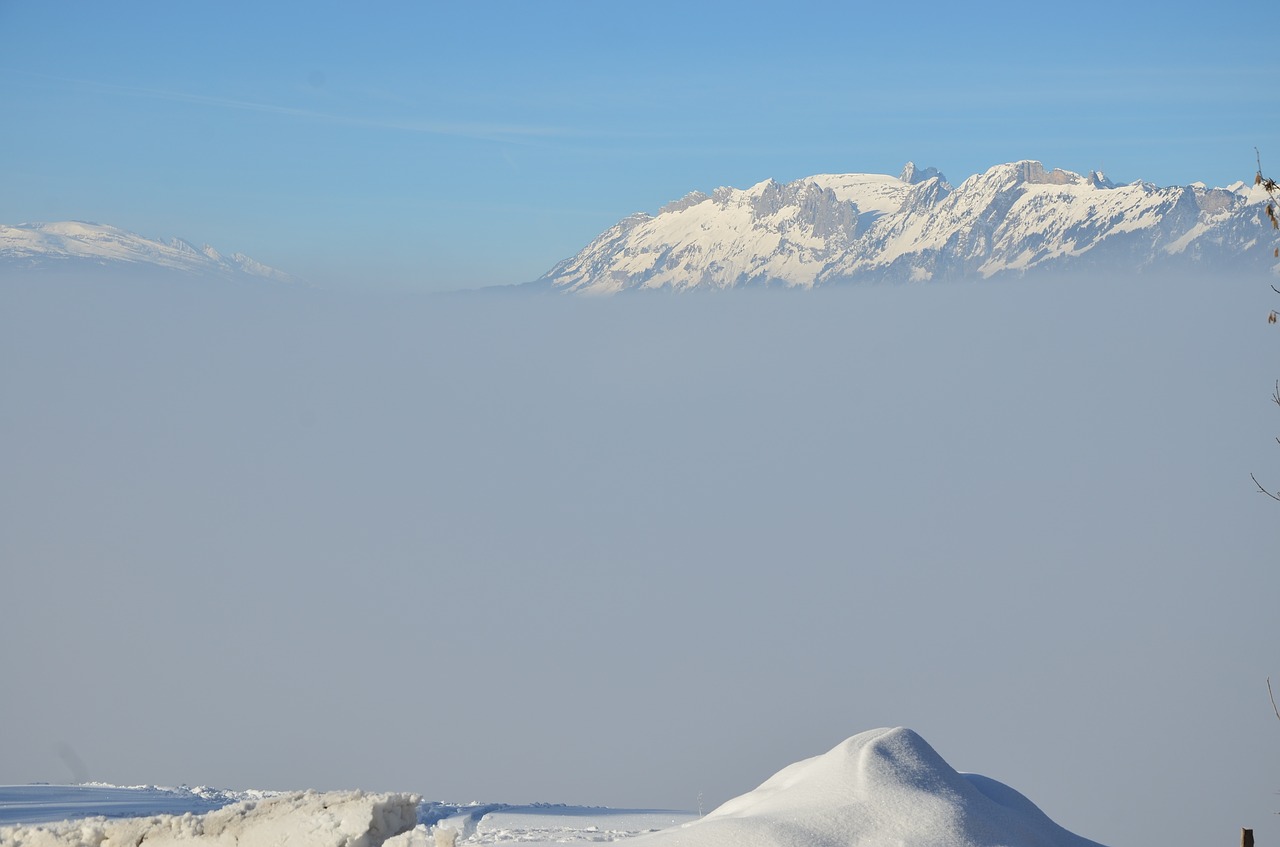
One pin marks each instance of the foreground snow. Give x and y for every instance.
(546, 824)
(105, 815)
(882, 787)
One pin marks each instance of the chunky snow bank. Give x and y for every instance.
(306, 819)
(470, 823)
(42, 803)
(882, 787)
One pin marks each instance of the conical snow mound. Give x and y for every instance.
(879, 788)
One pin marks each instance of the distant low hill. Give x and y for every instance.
(80, 248)
(834, 228)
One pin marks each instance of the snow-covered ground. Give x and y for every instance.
(480, 823)
(547, 824)
(884, 786)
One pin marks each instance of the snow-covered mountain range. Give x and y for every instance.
(915, 227)
(78, 246)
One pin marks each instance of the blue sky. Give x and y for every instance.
(432, 146)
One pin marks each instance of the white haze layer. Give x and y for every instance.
(630, 551)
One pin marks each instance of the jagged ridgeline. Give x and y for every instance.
(834, 228)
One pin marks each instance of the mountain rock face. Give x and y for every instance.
(915, 227)
(886, 786)
(85, 247)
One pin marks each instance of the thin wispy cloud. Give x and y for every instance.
(513, 133)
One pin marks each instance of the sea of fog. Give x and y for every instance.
(644, 550)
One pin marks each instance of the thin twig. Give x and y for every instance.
(1263, 490)
(1273, 698)
(1268, 184)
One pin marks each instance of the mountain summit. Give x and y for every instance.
(86, 247)
(885, 786)
(914, 227)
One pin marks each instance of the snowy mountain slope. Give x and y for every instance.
(885, 786)
(868, 227)
(74, 244)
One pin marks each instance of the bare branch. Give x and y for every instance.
(1263, 490)
(1272, 188)
(1267, 183)
(1273, 698)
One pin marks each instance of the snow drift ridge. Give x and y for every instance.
(885, 786)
